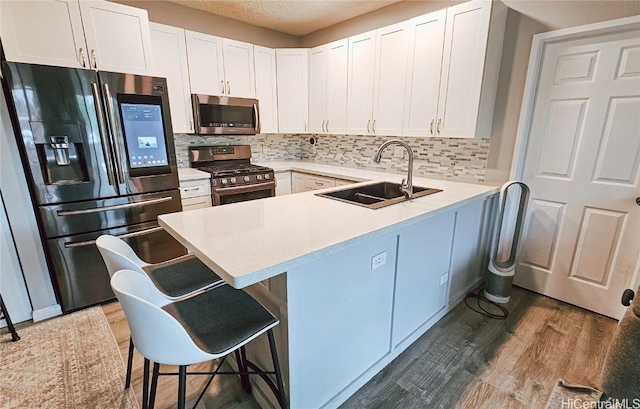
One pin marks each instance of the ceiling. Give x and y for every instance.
(295, 17)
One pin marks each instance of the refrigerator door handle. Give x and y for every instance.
(115, 207)
(122, 236)
(112, 122)
(102, 128)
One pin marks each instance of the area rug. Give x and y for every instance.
(566, 396)
(67, 362)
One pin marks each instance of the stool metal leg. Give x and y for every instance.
(241, 357)
(127, 381)
(154, 385)
(274, 355)
(182, 386)
(5, 314)
(145, 384)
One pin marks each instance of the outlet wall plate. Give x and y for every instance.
(398, 152)
(378, 260)
(444, 278)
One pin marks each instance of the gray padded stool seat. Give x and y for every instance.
(181, 276)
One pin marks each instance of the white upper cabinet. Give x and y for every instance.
(170, 53)
(219, 66)
(293, 89)
(328, 88)
(389, 83)
(362, 53)
(426, 40)
(206, 67)
(266, 93)
(377, 70)
(238, 68)
(470, 67)
(76, 34)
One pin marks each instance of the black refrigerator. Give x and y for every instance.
(99, 155)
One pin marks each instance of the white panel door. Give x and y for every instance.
(582, 165)
(337, 87)
(465, 45)
(318, 63)
(362, 53)
(426, 40)
(238, 69)
(118, 37)
(44, 32)
(206, 70)
(266, 93)
(390, 75)
(170, 53)
(293, 89)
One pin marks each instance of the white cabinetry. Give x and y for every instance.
(422, 273)
(377, 70)
(210, 72)
(426, 40)
(87, 34)
(293, 89)
(170, 52)
(266, 93)
(283, 183)
(328, 88)
(196, 194)
(302, 182)
(472, 52)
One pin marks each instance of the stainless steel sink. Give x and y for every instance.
(377, 195)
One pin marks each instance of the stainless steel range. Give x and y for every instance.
(233, 177)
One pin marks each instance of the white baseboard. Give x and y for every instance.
(46, 313)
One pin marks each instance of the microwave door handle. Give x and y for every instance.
(102, 128)
(112, 122)
(257, 118)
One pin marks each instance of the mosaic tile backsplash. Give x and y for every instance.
(450, 158)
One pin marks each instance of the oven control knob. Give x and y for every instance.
(223, 181)
(259, 177)
(246, 178)
(266, 176)
(232, 180)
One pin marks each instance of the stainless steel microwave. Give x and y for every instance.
(225, 115)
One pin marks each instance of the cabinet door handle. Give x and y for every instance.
(95, 59)
(222, 86)
(323, 127)
(190, 124)
(82, 60)
(431, 126)
(373, 127)
(228, 88)
(368, 124)
(319, 184)
(305, 126)
(327, 126)
(439, 124)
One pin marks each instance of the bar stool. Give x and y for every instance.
(5, 314)
(207, 326)
(176, 278)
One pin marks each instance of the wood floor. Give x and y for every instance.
(465, 361)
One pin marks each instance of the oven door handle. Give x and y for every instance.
(122, 236)
(244, 188)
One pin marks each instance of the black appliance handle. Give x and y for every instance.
(122, 236)
(257, 118)
(102, 128)
(114, 207)
(112, 122)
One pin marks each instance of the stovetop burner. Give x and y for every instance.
(221, 169)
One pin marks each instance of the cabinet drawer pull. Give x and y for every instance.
(319, 184)
(193, 189)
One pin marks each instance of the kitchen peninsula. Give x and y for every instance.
(352, 287)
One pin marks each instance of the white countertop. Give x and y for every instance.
(185, 174)
(255, 240)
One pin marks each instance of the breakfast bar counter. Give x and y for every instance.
(352, 287)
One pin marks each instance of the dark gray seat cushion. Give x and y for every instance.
(181, 276)
(220, 318)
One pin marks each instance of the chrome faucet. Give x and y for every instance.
(405, 188)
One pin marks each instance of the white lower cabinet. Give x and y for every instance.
(302, 182)
(422, 273)
(196, 194)
(283, 183)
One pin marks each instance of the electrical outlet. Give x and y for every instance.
(378, 260)
(444, 278)
(398, 152)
